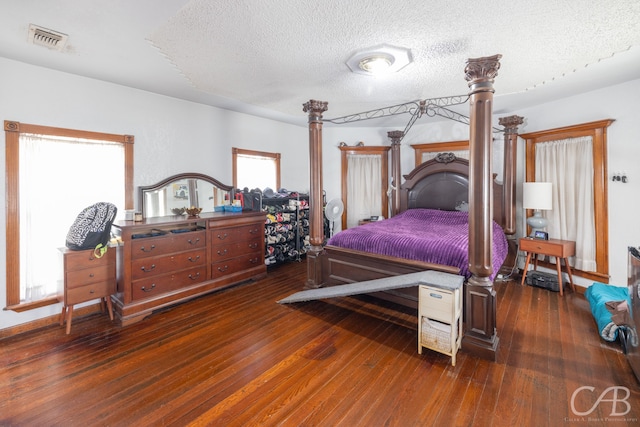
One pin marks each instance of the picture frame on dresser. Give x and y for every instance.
(542, 235)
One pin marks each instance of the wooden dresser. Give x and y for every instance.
(166, 260)
(86, 278)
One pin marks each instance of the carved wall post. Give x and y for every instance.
(395, 136)
(481, 337)
(316, 230)
(510, 124)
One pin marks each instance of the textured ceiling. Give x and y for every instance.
(268, 57)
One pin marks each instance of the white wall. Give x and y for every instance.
(620, 103)
(173, 136)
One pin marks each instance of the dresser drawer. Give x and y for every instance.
(93, 274)
(169, 243)
(235, 234)
(88, 292)
(151, 266)
(234, 265)
(436, 304)
(232, 250)
(157, 285)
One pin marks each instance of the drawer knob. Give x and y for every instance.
(193, 242)
(432, 295)
(223, 269)
(222, 236)
(253, 260)
(144, 289)
(224, 252)
(253, 231)
(194, 276)
(152, 247)
(143, 268)
(253, 245)
(194, 260)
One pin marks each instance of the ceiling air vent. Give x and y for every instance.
(48, 38)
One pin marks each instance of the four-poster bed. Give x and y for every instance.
(431, 226)
(428, 186)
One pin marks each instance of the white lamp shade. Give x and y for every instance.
(537, 195)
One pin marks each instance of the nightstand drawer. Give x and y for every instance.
(436, 303)
(75, 260)
(91, 275)
(89, 292)
(551, 247)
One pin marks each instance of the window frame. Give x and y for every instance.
(383, 152)
(13, 130)
(235, 152)
(598, 132)
(438, 147)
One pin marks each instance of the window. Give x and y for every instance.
(256, 169)
(51, 175)
(591, 136)
(365, 181)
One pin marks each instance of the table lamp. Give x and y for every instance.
(537, 196)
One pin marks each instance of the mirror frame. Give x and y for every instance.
(178, 177)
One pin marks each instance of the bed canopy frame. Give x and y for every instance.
(480, 336)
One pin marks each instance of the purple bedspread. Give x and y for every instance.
(435, 236)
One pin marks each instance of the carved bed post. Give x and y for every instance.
(510, 124)
(395, 136)
(316, 229)
(481, 337)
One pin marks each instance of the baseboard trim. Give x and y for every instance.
(47, 321)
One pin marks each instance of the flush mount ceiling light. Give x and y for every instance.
(380, 59)
(377, 63)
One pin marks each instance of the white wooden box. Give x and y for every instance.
(440, 319)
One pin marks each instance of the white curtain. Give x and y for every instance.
(568, 164)
(428, 155)
(58, 178)
(364, 180)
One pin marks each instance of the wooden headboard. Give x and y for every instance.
(443, 183)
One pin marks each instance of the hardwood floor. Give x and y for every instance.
(237, 358)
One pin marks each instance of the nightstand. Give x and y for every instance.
(86, 278)
(560, 249)
(440, 317)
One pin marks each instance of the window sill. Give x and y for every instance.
(26, 306)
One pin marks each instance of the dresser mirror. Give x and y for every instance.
(175, 193)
